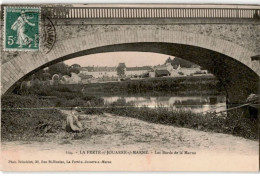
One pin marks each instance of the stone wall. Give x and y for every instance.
(245, 35)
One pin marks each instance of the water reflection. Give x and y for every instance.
(196, 104)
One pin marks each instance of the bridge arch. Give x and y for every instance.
(226, 60)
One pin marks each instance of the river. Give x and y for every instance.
(196, 104)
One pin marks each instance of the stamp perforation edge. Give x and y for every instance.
(39, 20)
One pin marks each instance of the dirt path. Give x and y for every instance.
(115, 132)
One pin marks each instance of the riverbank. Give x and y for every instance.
(28, 117)
(235, 123)
(111, 132)
(162, 86)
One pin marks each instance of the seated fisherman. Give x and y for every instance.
(253, 107)
(72, 123)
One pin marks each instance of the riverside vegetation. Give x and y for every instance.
(29, 115)
(188, 85)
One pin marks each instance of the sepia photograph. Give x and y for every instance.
(130, 87)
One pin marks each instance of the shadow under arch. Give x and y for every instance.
(237, 78)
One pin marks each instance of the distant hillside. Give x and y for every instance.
(179, 61)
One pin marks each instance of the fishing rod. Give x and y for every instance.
(240, 106)
(213, 109)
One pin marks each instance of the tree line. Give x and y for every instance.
(59, 68)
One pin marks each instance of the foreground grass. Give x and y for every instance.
(28, 118)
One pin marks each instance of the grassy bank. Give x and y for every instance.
(158, 87)
(235, 124)
(29, 117)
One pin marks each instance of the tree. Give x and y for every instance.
(179, 61)
(121, 69)
(59, 68)
(63, 69)
(169, 60)
(56, 79)
(72, 69)
(75, 66)
(42, 75)
(46, 76)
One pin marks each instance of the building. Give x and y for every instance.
(166, 66)
(99, 72)
(177, 70)
(189, 71)
(137, 71)
(172, 69)
(85, 79)
(74, 79)
(152, 74)
(162, 73)
(111, 72)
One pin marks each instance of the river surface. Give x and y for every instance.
(195, 104)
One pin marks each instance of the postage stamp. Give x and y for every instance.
(21, 28)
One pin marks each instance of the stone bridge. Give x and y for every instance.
(220, 40)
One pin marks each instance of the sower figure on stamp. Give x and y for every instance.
(72, 122)
(19, 26)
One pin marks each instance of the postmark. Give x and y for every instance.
(21, 28)
(48, 34)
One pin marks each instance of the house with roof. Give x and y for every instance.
(176, 70)
(162, 73)
(99, 71)
(85, 79)
(164, 70)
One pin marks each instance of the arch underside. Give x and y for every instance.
(237, 78)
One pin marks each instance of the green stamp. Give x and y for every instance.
(21, 28)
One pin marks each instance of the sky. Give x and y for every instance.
(131, 59)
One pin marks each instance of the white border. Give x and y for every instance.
(133, 1)
(39, 26)
(139, 174)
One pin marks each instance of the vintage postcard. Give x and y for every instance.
(130, 87)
